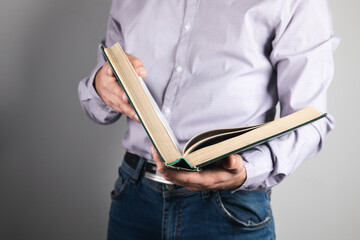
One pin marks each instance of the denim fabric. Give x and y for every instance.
(144, 209)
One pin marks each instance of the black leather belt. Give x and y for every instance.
(132, 160)
(149, 168)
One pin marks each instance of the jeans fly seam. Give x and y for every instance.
(178, 229)
(163, 231)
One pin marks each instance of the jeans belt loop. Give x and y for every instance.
(138, 170)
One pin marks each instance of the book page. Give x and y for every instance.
(159, 113)
(256, 136)
(198, 140)
(143, 103)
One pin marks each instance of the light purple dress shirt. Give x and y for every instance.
(222, 64)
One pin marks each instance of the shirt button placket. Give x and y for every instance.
(179, 70)
(167, 111)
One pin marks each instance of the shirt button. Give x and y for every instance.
(167, 111)
(178, 69)
(187, 27)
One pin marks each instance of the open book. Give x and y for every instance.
(206, 147)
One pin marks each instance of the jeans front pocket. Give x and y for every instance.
(120, 185)
(247, 209)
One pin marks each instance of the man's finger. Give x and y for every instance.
(231, 162)
(125, 98)
(183, 178)
(128, 110)
(108, 70)
(207, 179)
(160, 167)
(137, 65)
(168, 174)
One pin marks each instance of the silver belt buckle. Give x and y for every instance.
(157, 178)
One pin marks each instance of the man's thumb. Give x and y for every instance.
(109, 71)
(231, 162)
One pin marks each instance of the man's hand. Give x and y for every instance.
(228, 175)
(110, 90)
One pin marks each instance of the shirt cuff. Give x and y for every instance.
(91, 87)
(93, 104)
(258, 165)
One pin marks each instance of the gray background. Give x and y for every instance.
(57, 167)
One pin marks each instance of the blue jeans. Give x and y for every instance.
(145, 209)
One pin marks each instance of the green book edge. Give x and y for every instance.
(181, 160)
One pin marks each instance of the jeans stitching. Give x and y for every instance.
(178, 229)
(179, 193)
(249, 224)
(152, 185)
(115, 195)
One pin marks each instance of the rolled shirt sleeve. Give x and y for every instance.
(90, 101)
(302, 57)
